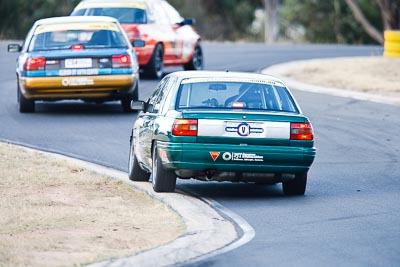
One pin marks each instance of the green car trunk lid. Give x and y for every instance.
(244, 128)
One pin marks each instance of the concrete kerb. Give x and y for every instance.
(210, 228)
(280, 70)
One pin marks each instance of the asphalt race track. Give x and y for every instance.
(350, 215)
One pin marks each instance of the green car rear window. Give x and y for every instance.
(235, 95)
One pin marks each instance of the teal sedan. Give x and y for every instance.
(221, 126)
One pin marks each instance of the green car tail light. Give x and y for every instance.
(185, 127)
(301, 131)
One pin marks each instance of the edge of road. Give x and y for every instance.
(279, 71)
(207, 222)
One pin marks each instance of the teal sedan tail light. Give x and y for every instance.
(301, 131)
(185, 127)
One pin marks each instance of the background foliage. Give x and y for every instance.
(222, 19)
(328, 21)
(17, 16)
(300, 20)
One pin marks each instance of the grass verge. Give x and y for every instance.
(376, 75)
(57, 214)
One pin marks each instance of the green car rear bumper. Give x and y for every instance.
(236, 158)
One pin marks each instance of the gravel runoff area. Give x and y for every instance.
(370, 75)
(56, 214)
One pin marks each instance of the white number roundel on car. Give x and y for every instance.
(243, 129)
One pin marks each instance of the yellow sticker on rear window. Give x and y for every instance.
(139, 5)
(225, 79)
(92, 26)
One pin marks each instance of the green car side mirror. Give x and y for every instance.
(137, 105)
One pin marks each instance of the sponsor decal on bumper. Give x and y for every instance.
(237, 156)
(234, 156)
(215, 155)
(77, 81)
(79, 72)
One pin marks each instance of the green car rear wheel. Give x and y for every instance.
(163, 180)
(135, 172)
(296, 187)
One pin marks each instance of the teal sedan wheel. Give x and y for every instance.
(135, 172)
(296, 187)
(163, 180)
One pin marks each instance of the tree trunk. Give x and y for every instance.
(271, 26)
(390, 10)
(360, 17)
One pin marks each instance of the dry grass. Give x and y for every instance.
(376, 75)
(55, 214)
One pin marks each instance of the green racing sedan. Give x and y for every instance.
(221, 126)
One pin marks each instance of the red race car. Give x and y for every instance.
(169, 39)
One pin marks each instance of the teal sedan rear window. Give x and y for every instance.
(235, 95)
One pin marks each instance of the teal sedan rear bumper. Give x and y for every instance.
(203, 157)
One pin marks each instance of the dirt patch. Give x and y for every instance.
(57, 214)
(377, 75)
